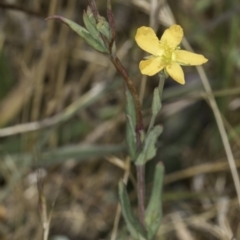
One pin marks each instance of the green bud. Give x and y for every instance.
(91, 16)
(149, 149)
(103, 27)
(91, 26)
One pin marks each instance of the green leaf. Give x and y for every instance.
(131, 138)
(91, 25)
(133, 225)
(156, 103)
(156, 107)
(130, 125)
(62, 154)
(82, 32)
(103, 27)
(153, 214)
(130, 107)
(149, 149)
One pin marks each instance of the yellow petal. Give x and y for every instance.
(172, 36)
(151, 66)
(147, 40)
(175, 72)
(188, 58)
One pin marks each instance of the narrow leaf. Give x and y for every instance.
(82, 32)
(103, 27)
(131, 137)
(153, 215)
(91, 24)
(149, 149)
(130, 124)
(133, 225)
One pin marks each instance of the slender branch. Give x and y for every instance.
(162, 78)
(129, 84)
(139, 128)
(141, 192)
(118, 65)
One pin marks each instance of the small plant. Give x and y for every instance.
(165, 60)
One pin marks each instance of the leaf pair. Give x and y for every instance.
(149, 149)
(97, 32)
(153, 213)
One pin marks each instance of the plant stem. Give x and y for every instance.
(162, 78)
(118, 65)
(139, 128)
(141, 193)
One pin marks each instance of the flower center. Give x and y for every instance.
(168, 55)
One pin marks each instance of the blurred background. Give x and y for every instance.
(62, 122)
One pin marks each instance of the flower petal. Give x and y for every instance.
(172, 36)
(175, 72)
(188, 58)
(147, 40)
(151, 66)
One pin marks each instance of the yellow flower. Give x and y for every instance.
(166, 53)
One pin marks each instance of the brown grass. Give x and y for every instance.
(62, 115)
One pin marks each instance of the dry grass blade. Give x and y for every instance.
(220, 124)
(14, 102)
(82, 102)
(223, 208)
(46, 215)
(53, 83)
(170, 226)
(126, 167)
(182, 232)
(42, 65)
(199, 169)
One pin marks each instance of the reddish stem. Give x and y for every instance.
(141, 192)
(139, 128)
(118, 65)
